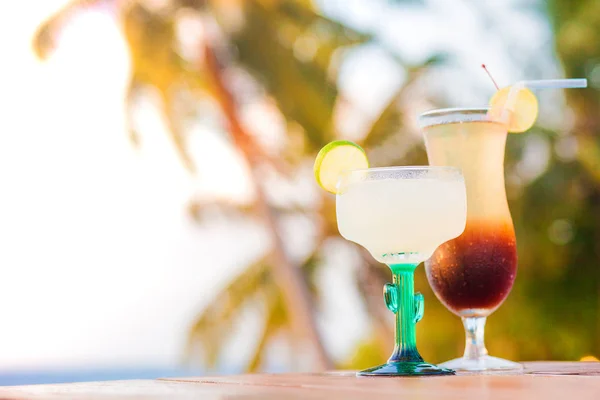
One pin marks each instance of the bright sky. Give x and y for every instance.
(99, 263)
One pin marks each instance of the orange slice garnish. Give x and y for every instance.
(523, 114)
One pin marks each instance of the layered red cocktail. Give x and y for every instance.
(473, 274)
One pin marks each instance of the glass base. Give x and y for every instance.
(405, 369)
(483, 364)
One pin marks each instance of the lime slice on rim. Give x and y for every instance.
(335, 158)
(525, 110)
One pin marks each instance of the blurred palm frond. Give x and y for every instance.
(254, 285)
(220, 314)
(291, 60)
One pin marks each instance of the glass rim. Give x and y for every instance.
(457, 115)
(406, 168)
(411, 172)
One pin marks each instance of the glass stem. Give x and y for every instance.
(474, 330)
(408, 309)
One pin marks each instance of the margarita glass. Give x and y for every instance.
(401, 215)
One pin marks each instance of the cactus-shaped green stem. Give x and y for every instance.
(400, 298)
(408, 307)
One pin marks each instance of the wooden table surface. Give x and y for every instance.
(541, 380)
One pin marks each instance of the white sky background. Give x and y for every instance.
(99, 264)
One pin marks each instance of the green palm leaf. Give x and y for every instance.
(222, 312)
(391, 119)
(275, 321)
(302, 89)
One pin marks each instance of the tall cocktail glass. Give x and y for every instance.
(400, 215)
(473, 274)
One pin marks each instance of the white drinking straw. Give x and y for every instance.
(538, 84)
(554, 84)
